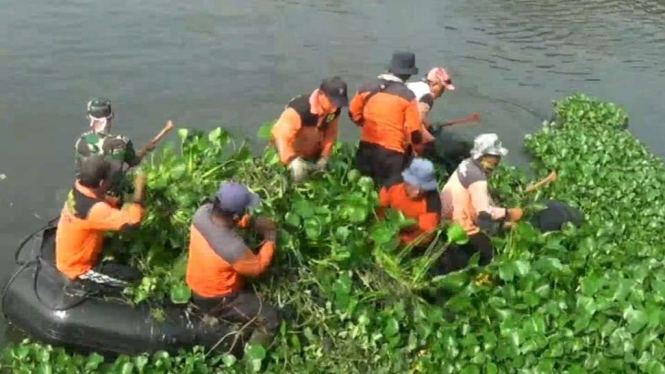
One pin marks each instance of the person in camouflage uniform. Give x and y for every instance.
(100, 141)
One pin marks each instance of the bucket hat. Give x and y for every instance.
(403, 63)
(420, 173)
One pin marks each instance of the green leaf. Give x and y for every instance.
(313, 228)
(44, 368)
(382, 234)
(304, 209)
(214, 135)
(229, 360)
(355, 213)
(127, 368)
(506, 272)
(180, 293)
(457, 235)
(522, 268)
(292, 219)
(256, 352)
(182, 134)
(93, 361)
(391, 328)
(265, 131)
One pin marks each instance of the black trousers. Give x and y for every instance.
(112, 274)
(381, 164)
(457, 257)
(241, 307)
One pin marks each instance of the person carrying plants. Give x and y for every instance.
(466, 200)
(416, 195)
(219, 259)
(100, 141)
(307, 129)
(387, 112)
(85, 218)
(428, 90)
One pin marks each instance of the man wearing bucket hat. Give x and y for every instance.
(307, 130)
(428, 90)
(466, 200)
(416, 195)
(219, 259)
(387, 112)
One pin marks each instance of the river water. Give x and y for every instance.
(237, 63)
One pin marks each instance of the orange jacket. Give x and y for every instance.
(304, 130)
(466, 194)
(388, 113)
(426, 210)
(219, 257)
(85, 217)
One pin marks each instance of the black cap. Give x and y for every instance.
(403, 63)
(335, 89)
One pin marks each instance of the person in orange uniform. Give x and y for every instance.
(387, 112)
(307, 130)
(415, 194)
(219, 259)
(85, 218)
(428, 90)
(466, 200)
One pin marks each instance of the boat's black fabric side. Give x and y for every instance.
(43, 303)
(451, 149)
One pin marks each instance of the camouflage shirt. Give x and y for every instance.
(112, 147)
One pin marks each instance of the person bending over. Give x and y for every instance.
(85, 218)
(219, 260)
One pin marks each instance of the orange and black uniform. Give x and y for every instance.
(218, 261)
(425, 210)
(305, 130)
(387, 111)
(80, 236)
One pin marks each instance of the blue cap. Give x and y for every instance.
(421, 174)
(236, 198)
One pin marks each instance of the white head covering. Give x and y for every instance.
(487, 144)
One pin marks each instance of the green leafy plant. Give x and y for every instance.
(587, 300)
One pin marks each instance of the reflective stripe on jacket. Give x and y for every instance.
(79, 239)
(388, 114)
(219, 257)
(466, 194)
(304, 130)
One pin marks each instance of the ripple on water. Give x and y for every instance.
(567, 31)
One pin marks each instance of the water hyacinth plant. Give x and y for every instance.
(587, 300)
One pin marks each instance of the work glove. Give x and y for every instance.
(322, 163)
(299, 169)
(487, 224)
(514, 214)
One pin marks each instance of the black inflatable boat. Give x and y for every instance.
(43, 303)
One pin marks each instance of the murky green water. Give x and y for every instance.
(237, 63)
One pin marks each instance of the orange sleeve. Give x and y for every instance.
(413, 124)
(427, 223)
(252, 265)
(357, 106)
(330, 137)
(284, 134)
(102, 216)
(384, 202)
